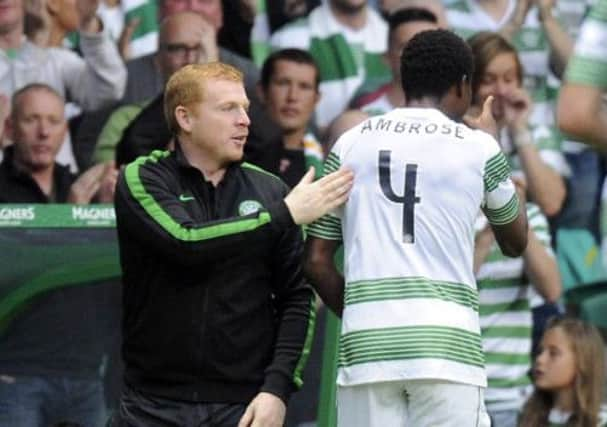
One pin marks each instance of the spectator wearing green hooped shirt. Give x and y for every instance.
(347, 39)
(288, 89)
(505, 286)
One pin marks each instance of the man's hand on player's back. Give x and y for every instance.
(310, 200)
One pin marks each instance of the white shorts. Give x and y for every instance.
(412, 403)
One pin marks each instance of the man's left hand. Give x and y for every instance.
(265, 410)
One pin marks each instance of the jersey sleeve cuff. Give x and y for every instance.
(506, 214)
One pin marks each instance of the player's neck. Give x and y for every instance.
(425, 102)
(395, 95)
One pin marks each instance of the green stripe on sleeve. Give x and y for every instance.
(504, 215)
(179, 232)
(328, 227)
(305, 352)
(496, 170)
(587, 71)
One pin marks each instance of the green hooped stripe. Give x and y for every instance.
(504, 215)
(496, 170)
(586, 71)
(332, 163)
(307, 347)
(508, 383)
(506, 331)
(521, 304)
(410, 287)
(327, 227)
(512, 359)
(149, 204)
(411, 342)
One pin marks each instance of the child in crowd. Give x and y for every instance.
(569, 376)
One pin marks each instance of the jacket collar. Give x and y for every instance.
(183, 162)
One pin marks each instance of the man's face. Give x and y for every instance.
(211, 10)
(11, 14)
(399, 39)
(555, 364)
(500, 79)
(180, 44)
(291, 95)
(38, 128)
(219, 124)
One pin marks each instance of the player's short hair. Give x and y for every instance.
(32, 87)
(291, 54)
(406, 15)
(186, 87)
(485, 47)
(432, 62)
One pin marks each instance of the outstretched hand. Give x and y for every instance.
(310, 200)
(485, 120)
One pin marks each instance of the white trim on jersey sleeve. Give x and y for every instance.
(501, 204)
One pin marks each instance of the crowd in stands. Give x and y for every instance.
(82, 95)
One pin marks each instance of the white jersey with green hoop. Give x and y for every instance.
(506, 323)
(411, 303)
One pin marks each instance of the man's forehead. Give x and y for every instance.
(220, 88)
(181, 25)
(31, 99)
(284, 68)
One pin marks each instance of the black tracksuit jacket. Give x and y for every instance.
(215, 304)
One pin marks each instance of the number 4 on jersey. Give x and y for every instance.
(408, 200)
